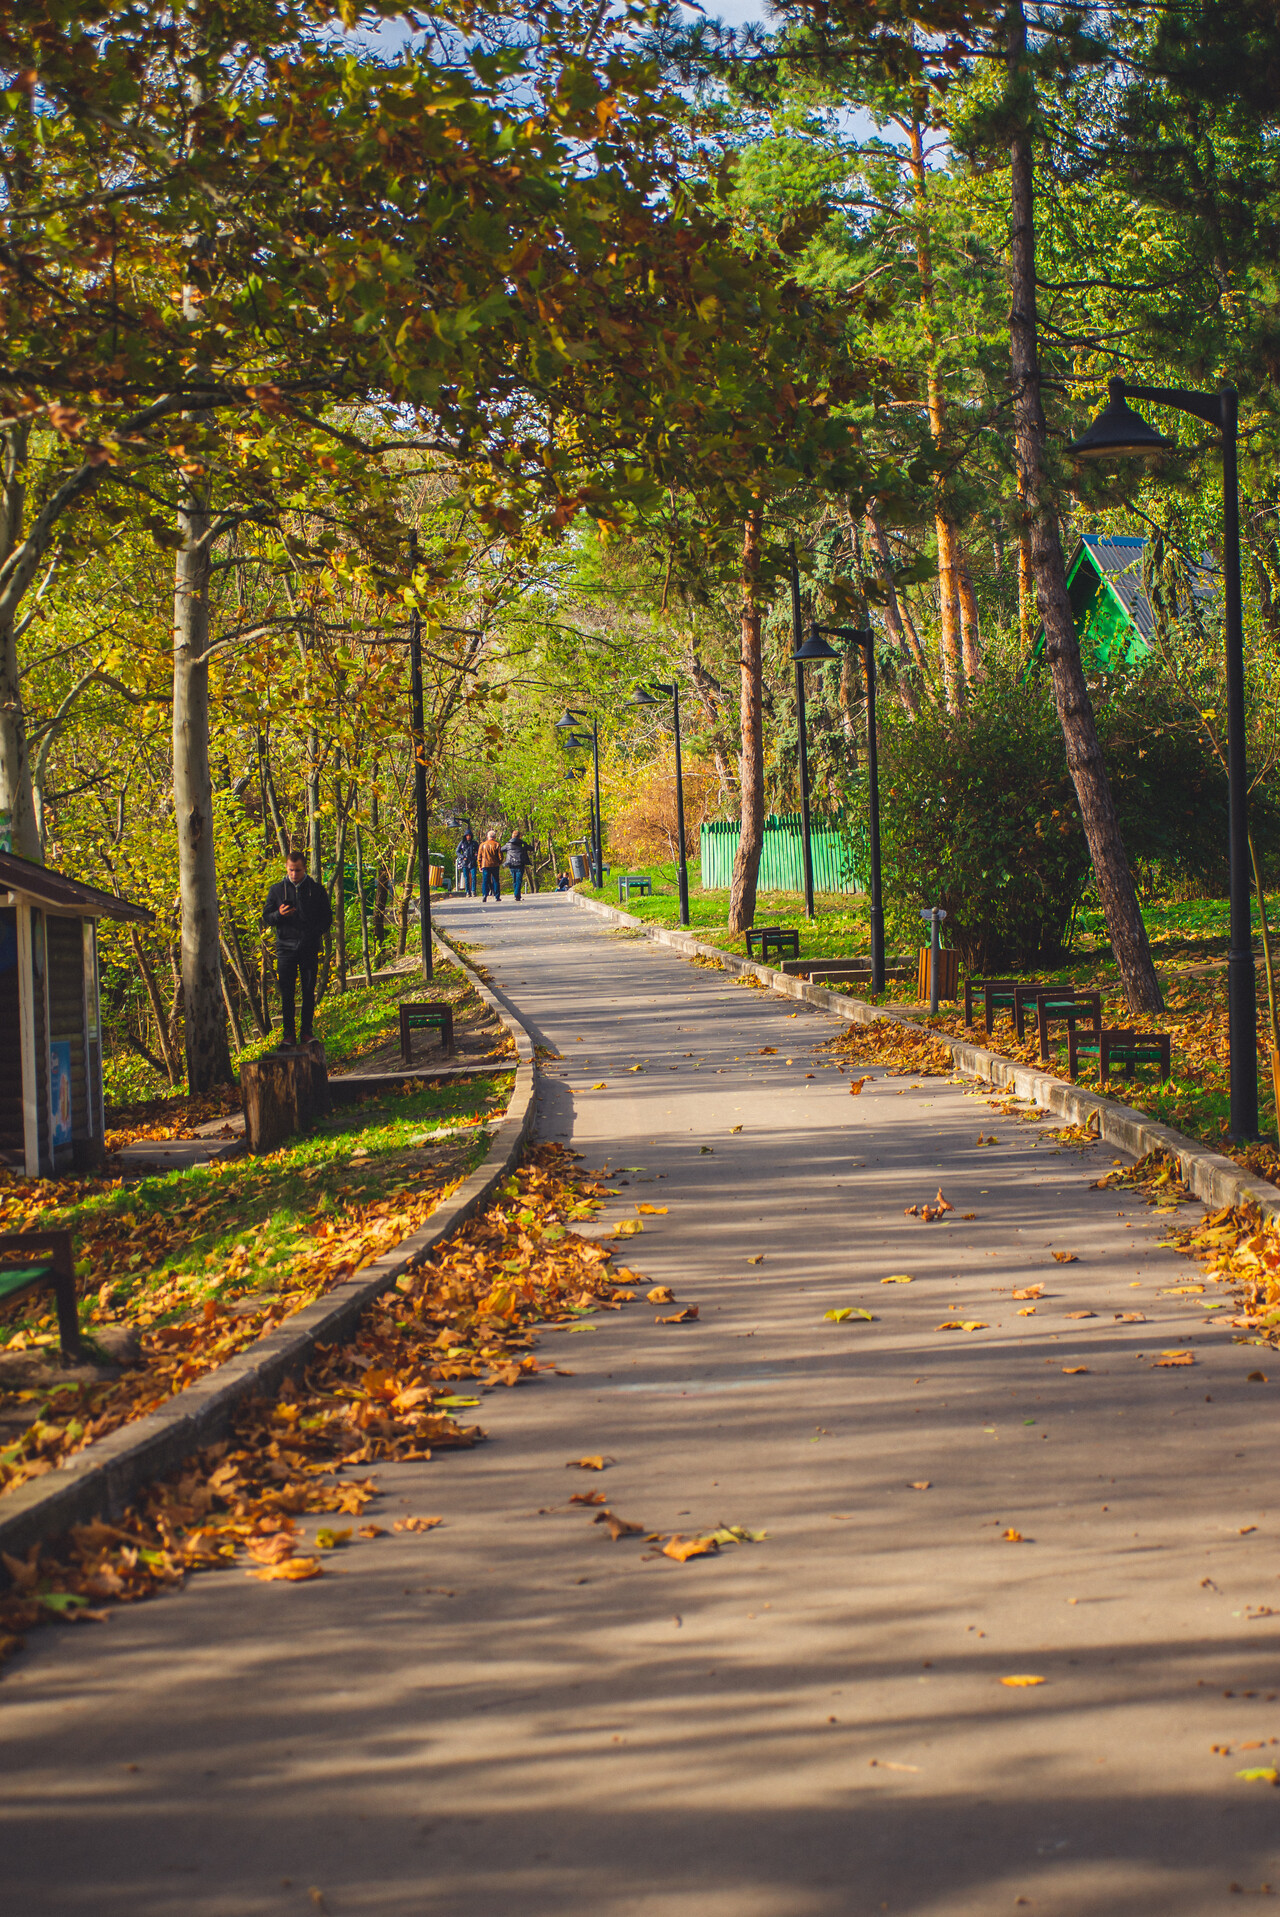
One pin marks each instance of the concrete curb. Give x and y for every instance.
(1218, 1180)
(101, 1480)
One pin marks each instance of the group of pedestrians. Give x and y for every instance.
(487, 858)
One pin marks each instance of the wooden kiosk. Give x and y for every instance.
(50, 1021)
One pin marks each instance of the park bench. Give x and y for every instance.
(1070, 1003)
(425, 1013)
(29, 1258)
(629, 882)
(1119, 1045)
(839, 968)
(997, 995)
(777, 938)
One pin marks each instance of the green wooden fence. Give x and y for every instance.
(836, 859)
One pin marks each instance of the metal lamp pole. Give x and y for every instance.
(643, 698)
(573, 717)
(797, 643)
(815, 647)
(1119, 432)
(420, 772)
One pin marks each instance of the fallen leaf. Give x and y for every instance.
(963, 1324)
(767, 1051)
(942, 1204)
(661, 1295)
(685, 1317)
(1256, 1377)
(883, 1764)
(919, 1484)
(734, 1128)
(1013, 1537)
(1131, 1317)
(290, 1571)
(589, 1464)
(1021, 1683)
(601, 1087)
(1081, 1314)
(1026, 1311)
(271, 1550)
(1168, 1359)
(898, 1278)
(619, 1527)
(1029, 1291)
(371, 1531)
(756, 1258)
(588, 1497)
(738, 1534)
(838, 1317)
(330, 1540)
(1246, 1529)
(967, 1217)
(1269, 1776)
(855, 1086)
(682, 1549)
(416, 1524)
(1074, 1371)
(1065, 1258)
(628, 1228)
(654, 1211)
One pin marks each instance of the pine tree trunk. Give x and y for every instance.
(970, 631)
(746, 866)
(208, 1055)
(16, 795)
(1075, 710)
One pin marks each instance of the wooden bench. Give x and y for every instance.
(781, 939)
(1071, 1003)
(997, 995)
(29, 1258)
(1120, 1045)
(425, 1014)
(629, 882)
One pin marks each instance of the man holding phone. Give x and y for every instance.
(299, 913)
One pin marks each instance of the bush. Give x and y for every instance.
(979, 815)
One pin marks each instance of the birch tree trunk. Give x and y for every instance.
(746, 866)
(1075, 709)
(208, 1055)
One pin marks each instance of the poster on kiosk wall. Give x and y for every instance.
(60, 1090)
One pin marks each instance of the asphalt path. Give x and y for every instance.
(512, 1714)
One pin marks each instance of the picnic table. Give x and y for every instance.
(784, 940)
(428, 1013)
(30, 1258)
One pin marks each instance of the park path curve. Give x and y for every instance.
(514, 1717)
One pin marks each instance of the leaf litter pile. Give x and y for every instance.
(466, 1317)
(179, 1272)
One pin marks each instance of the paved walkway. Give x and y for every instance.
(512, 1717)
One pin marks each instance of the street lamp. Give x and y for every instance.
(815, 647)
(420, 771)
(640, 697)
(573, 717)
(1119, 432)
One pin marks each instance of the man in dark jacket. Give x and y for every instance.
(466, 853)
(516, 853)
(299, 913)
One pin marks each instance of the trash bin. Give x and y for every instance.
(577, 866)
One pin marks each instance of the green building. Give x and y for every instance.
(1114, 621)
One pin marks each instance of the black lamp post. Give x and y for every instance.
(420, 772)
(1119, 432)
(815, 647)
(569, 724)
(641, 697)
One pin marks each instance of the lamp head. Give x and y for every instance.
(568, 722)
(1119, 433)
(642, 697)
(814, 647)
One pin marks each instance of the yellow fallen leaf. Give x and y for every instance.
(619, 1527)
(963, 1324)
(628, 1228)
(1268, 1776)
(291, 1571)
(898, 1278)
(416, 1524)
(588, 1497)
(767, 1051)
(653, 1211)
(588, 1464)
(329, 1540)
(371, 1531)
(756, 1258)
(1013, 1537)
(734, 1128)
(1065, 1257)
(601, 1087)
(685, 1317)
(855, 1086)
(838, 1317)
(1169, 1358)
(1026, 1311)
(1021, 1683)
(919, 1484)
(661, 1295)
(682, 1549)
(273, 1549)
(1029, 1291)
(1074, 1371)
(883, 1764)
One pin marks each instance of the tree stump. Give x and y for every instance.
(282, 1094)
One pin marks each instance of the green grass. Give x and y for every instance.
(153, 1250)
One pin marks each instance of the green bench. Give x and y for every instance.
(629, 882)
(1120, 1046)
(30, 1258)
(428, 1014)
(776, 938)
(1075, 1005)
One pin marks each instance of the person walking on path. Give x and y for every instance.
(465, 854)
(299, 913)
(489, 858)
(516, 853)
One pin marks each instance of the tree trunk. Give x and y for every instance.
(282, 1094)
(154, 999)
(896, 614)
(364, 906)
(381, 890)
(1026, 592)
(340, 881)
(234, 1016)
(892, 615)
(233, 959)
(208, 1055)
(1075, 710)
(970, 632)
(271, 799)
(746, 866)
(406, 901)
(16, 795)
(313, 805)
